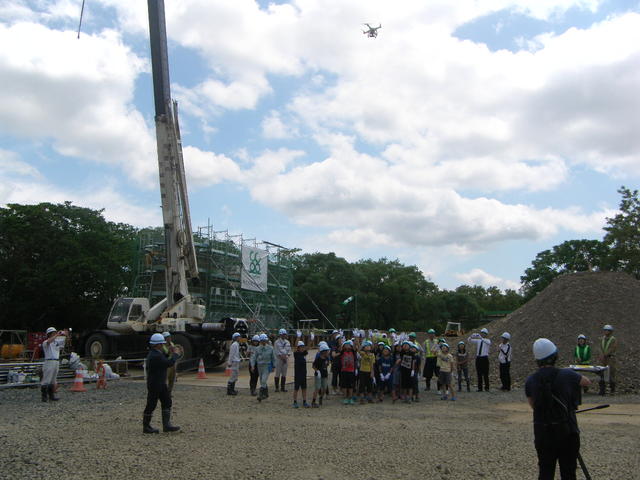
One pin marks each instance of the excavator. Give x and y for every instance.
(132, 320)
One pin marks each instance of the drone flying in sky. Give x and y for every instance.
(372, 32)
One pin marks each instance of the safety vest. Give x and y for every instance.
(606, 343)
(583, 354)
(427, 348)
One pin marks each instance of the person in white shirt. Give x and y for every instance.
(233, 364)
(282, 350)
(51, 348)
(483, 345)
(504, 360)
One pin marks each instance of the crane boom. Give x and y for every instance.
(180, 255)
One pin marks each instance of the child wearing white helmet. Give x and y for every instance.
(253, 371)
(366, 373)
(348, 369)
(554, 395)
(300, 374)
(320, 374)
(262, 359)
(462, 363)
(384, 371)
(504, 361)
(282, 348)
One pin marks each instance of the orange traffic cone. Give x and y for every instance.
(78, 383)
(201, 374)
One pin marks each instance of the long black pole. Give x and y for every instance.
(159, 57)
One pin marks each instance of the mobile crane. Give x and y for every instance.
(132, 320)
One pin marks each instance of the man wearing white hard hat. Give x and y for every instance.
(504, 361)
(554, 396)
(51, 349)
(483, 346)
(608, 349)
(233, 363)
(282, 349)
(157, 364)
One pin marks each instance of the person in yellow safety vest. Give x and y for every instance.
(608, 348)
(582, 354)
(431, 349)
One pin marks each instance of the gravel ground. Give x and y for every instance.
(97, 435)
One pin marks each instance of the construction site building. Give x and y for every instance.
(219, 257)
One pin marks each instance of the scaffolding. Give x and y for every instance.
(219, 256)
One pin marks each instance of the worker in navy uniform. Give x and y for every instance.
(157, 389)
(554, 395)
(51, 349)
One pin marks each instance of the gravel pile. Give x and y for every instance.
(574, 304)
(97, 435)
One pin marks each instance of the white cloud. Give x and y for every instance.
(274, 128)
(118, 207)
(12, 165)
(77, 94)
(207, 168)
(478, 276)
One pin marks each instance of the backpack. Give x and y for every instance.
(554, 414)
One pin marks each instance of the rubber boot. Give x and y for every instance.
(166, 422)
(612, 388)
(146, 424)
(277, 380)
(603, 387)
(266, 392)
(230, 389)
(283, 380)
(233, 388)
(261, 394)
(427, 386)
(468, 387)
(52, 397)
(253, 392)
(43, 391)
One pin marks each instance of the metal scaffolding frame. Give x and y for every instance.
(219, 257)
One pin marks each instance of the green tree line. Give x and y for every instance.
(618, 251)
(63, 264)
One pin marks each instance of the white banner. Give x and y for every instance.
(254, 269)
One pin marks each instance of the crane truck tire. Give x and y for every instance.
(96, 346)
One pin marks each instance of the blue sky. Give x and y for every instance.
(465, 139)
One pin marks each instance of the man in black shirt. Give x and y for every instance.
(554, 395)
(157, 389)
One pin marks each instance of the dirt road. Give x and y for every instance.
(97, 435)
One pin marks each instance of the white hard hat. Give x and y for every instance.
(157, 339)
(166, 334)
(235, 335)
(255, 338)
(506, 335)
(485, 331)
(264, 337)
(301, 343)
(324, 348)
(323, 344)
(608, 327)
(50, 330)
(282, 331)
(543, 348)
(582, 337)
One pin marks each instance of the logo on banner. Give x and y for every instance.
(254, 269)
